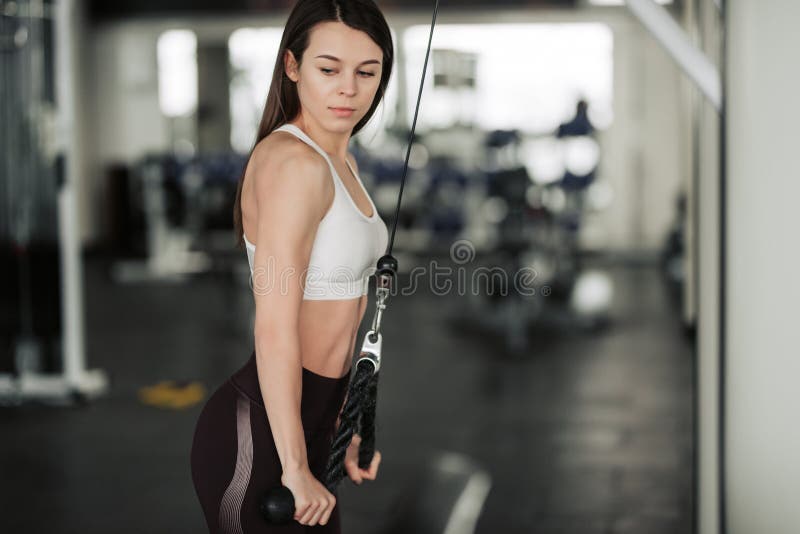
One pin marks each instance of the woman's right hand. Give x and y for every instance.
(313, 503)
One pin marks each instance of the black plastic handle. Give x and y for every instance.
(277, 506)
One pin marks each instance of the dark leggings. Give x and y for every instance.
(234, 460)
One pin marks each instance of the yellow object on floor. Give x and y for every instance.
(169, 394)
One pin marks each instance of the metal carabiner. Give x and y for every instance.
(385, 275)
(371, 348)
(381, 296)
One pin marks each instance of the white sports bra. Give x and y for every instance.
(347, 244)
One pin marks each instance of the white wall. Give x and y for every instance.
(641, 150)
(121, 109)
(763, 291)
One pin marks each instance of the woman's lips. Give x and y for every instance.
(342, 112)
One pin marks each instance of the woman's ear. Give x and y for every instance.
(290, 66)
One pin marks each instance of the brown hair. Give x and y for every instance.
(282, 103)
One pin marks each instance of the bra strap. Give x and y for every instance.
(297, 132)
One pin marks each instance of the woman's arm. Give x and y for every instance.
(289, 195)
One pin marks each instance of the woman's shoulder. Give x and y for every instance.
(282, 151)
(283, 158)
(281, 145)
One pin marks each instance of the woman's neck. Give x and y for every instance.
(333, 143)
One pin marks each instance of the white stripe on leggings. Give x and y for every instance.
(231, 506)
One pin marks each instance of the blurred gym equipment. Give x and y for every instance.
(42, 356)
(533, 228)
(182, 203)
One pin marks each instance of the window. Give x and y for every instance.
(177, 72)
(527, 76)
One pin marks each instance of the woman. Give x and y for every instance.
(312, 235)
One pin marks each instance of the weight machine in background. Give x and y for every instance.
(42, 352)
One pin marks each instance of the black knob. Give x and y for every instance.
(387, 264)
(277, 506)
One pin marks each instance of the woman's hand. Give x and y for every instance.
(355, 473)
(313, 503)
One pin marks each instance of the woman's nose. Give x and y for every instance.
(348, 86)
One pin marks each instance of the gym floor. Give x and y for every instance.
(584, 432)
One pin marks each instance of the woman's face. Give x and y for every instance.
(339, 75)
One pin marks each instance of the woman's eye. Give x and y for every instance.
(361, 72)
